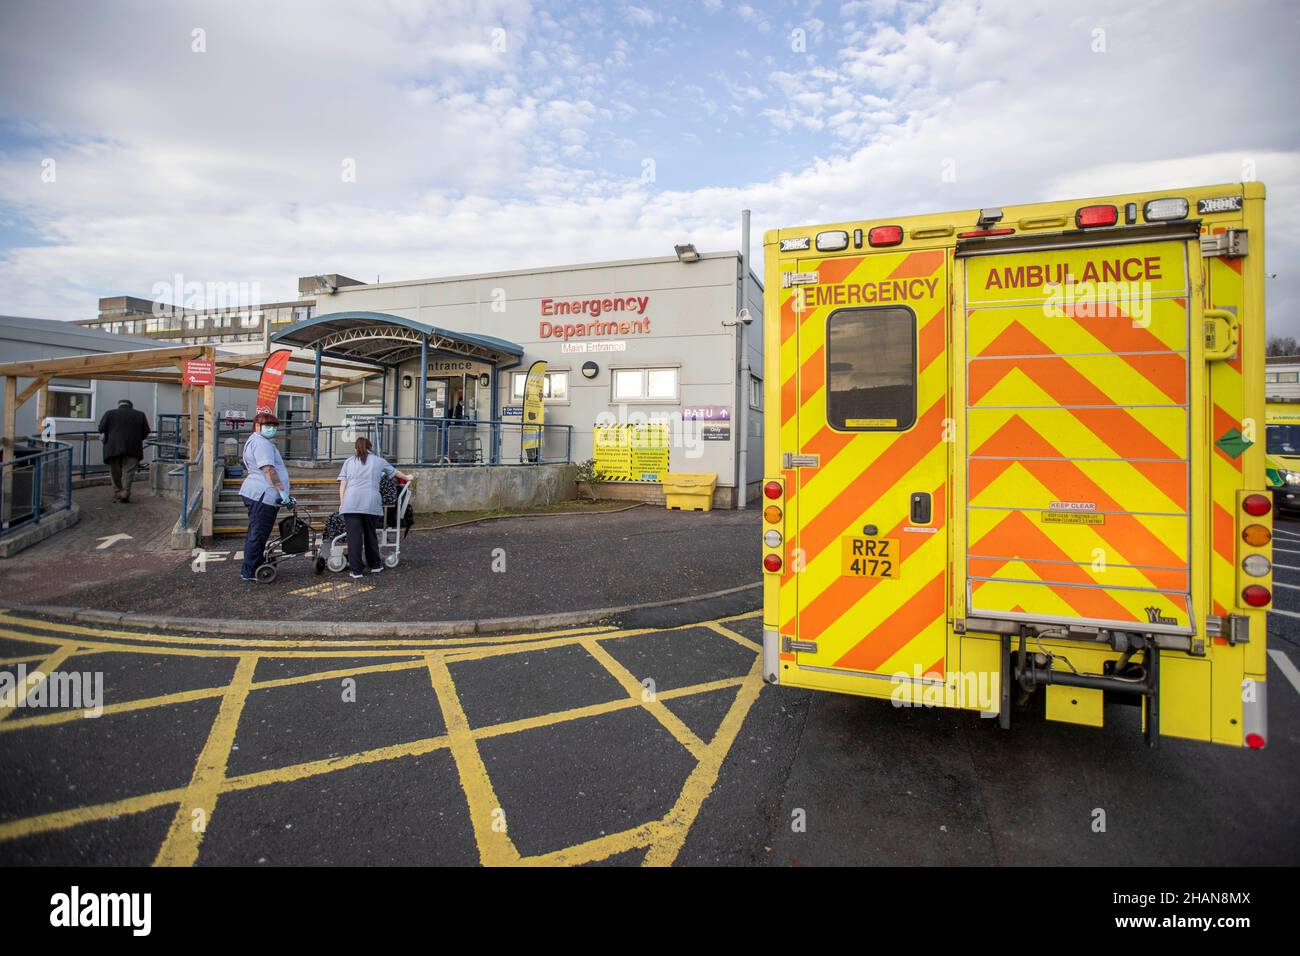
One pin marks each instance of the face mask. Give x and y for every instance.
(268, 431)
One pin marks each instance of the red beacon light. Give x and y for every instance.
(885, 235)
(772, 562)
(1088, 217)
(1256, 505)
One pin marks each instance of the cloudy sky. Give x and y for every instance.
(255, 142)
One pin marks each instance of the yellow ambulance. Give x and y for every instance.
(1010, 451)
(1282, 444)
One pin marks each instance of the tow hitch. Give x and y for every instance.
(1136, 674)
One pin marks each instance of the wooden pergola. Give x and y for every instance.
(165, 366)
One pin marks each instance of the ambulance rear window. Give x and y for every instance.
(871, 369)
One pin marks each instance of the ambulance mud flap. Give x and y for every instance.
(1124, 676)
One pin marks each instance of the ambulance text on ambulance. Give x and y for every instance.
(1106, 289)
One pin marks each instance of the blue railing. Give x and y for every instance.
(463, 441)
(401, 439)
(36, 484)
(188, 502)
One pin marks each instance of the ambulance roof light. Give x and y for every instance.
(1163, 210)
(1088, 217)
(885, 235)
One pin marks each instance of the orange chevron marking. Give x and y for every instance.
(1069, 386)
(1225, 534)
(846, 590)
(919, 264)
(789, 321)
(1017, 440)
(879, 475)
(788, 404)
(835, 271)
(919, 611)
(812, 376)
(1165, 579)
(1011, 535)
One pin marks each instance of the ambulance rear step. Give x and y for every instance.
(1114, 635)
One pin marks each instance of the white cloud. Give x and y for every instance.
(225, 166)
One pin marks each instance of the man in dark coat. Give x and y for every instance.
(124, 430)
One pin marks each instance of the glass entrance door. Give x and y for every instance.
(435, 398)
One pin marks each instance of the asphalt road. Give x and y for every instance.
(646, 741)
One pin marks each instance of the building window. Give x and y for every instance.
(755, 392)
(1285, 377)
(644, 385)
(1270, 376)
(368, 391)
(554, 389)
(72, 398)
(871, 369)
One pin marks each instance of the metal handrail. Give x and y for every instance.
(40, 464)
(187, 506)
(439, 441)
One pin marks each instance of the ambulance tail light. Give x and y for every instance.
(1256, 535)
(1255, 741)
(885, 236)
(1088, 217)
(1257, 505)
(1256, 595)
(772, 514)
(772, 489)
(772, 562)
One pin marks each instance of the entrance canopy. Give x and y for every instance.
(387, 340)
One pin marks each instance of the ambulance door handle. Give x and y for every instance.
(920, 507)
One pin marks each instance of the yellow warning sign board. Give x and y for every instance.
(632, 452)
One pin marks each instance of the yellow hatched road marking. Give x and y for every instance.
(699, 785)
(275, 643)
(181, 846)
(16, 697)
(487, 817)
(733, 636)
(650, 701)
(209, 781)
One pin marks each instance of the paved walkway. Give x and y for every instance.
(500, 568)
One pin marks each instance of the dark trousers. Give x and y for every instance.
(362, 542)
(122, 470)
(261, 521)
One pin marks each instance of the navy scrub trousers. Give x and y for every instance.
(261, 521)
(361, 529)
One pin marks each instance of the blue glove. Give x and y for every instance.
(284, 497)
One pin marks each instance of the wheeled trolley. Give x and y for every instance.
(335, 555)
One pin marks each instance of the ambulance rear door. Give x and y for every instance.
(870, 496)
(1079, 406)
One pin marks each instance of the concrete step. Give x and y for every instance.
(293, 480)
